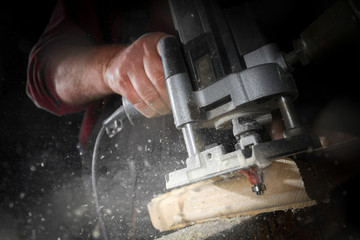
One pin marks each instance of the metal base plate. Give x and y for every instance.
(215, 161)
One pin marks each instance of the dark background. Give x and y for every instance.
(40, 166)
(39, 161)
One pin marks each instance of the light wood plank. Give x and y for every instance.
(230, 196)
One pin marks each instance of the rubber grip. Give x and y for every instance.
(171, 56)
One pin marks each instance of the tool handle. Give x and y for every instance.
(171, 56)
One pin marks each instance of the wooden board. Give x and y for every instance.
(229, 197)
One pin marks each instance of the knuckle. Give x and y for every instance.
(158, 78)
(127, 57)
(139, 43)
(121, 86)
(150, 96)
(138, 103)
(131, 54)
(123, 82)
(133, 62)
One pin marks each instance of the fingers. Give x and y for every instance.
(148, 94)
(132, 95)
(152, 64)
(147, 77)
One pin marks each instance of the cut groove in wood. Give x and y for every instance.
(230, 196)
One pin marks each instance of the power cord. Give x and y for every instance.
(93, 180)
(112, 126)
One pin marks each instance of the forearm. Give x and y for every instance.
(78, 73)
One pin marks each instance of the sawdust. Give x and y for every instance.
(206, 230)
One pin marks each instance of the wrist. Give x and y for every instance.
(103, 59)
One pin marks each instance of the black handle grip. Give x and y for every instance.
(171, 56)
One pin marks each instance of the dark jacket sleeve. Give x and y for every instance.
(64, 29)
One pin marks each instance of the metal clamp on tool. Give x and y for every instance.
(114, 123)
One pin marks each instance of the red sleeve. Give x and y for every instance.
(63, 29)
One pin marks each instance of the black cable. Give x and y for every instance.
(93, 180)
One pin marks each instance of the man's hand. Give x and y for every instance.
(136, 73)
(85, 73)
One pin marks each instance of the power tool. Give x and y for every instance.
(221, 72)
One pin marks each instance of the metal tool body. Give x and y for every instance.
(231, 77)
